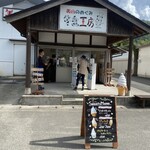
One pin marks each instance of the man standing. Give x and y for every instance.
(40, 61)
(83, 67)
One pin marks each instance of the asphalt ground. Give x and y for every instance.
(58, 128)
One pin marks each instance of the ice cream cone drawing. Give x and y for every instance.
(122, 85)
(94, 123)
(110, 122)
(93, 112)
(93, 133)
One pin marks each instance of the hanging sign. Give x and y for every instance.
(9, 11)
(78, 18)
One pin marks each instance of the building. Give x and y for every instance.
(143, 61)
(71, 28)
(120, 63)
(12, 44)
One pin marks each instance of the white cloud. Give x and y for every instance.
(127, 5)
(146, 13)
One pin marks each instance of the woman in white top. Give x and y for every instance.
(83, 67)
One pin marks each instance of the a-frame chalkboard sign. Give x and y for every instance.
(99, 120)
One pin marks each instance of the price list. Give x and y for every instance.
(100, 113)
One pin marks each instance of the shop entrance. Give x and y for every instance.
(62, 69)
(64, 65)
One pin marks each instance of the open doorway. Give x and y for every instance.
(64, 65)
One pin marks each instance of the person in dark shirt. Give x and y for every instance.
(40, 61)
(51, 67)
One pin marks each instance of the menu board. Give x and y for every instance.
(100, 119)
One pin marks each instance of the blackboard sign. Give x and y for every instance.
(100, 119)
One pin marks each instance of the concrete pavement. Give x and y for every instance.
(58, 128)
(12, 88)
(54, 127)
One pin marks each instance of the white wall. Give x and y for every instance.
(144, 62)
(7, 32)
(120, 65)
(19, 66)
(6, 68)
(6, 50)
(6, 58)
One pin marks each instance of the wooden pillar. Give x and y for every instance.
(28, 59)
(129, 72)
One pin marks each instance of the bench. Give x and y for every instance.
(142, 98)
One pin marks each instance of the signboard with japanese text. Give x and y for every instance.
(8, 11)
(78, 18)
(100, 114)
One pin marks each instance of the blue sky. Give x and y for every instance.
(138, 8)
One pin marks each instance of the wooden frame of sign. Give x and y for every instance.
(37, 79)
(99, 120)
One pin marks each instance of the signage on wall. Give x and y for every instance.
(78, 18)
(9, 11)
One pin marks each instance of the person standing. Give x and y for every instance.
(83, 67)
(40, 61)
(52, 68)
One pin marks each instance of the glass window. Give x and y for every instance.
(63, 58)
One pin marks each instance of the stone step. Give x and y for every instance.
(72, 101)
(121, 100)
(68, 100)
(41, 100)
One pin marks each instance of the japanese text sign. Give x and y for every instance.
(78, 18)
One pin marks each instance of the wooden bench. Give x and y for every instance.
(142, 98)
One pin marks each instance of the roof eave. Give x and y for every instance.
(35, 9)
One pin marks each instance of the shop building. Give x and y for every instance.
(71, 28)
(12, 44)
(143, 61)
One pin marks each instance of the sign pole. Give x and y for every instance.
(82, 131)
(115, 144)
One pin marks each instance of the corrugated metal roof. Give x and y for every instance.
(8, 2)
